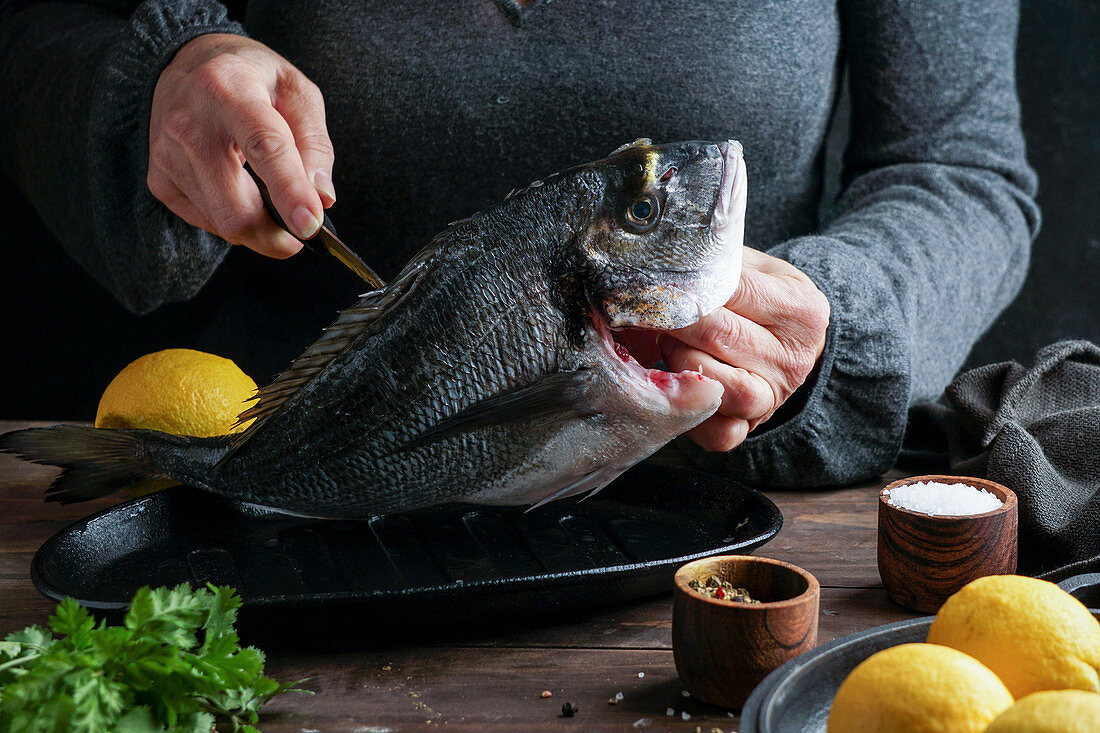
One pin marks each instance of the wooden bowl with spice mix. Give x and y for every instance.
(937, 533)
(735, 618)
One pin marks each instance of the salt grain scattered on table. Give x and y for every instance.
(948, 500)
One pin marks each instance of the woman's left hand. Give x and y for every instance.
(761, 346)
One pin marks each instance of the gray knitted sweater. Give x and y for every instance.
(438, 109)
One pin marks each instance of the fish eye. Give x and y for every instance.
(643, 213)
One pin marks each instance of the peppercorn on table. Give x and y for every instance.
(611, 669)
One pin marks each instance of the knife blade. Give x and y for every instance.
(324, 242)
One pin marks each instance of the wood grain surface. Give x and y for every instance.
(491, 678)
(722, 649)
(923, 559)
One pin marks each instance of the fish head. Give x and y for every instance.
(664, 246)
(661, 250)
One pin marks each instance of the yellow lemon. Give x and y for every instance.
(1052, 711)
(918, 688)
(178, 391)
(1031, 633)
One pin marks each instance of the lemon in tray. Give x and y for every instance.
(1000, 637)
(1052, 711)
(918, 688)
(1031, 633)
(178, 391)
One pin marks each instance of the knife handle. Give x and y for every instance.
(324, 242)
(269, 206)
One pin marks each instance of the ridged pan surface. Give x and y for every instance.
(626, 542)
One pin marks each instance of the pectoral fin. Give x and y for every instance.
(562, 394)
(591, 482)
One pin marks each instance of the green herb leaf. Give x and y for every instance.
(174, 666)
(72, 620)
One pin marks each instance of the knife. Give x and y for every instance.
(324, 242)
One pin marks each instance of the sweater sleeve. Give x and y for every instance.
(78, 81)
(930, 239)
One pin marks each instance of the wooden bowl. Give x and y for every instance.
(724, 649)
(924, 558)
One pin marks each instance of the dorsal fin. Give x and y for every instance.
(639, 142)
(345, 329)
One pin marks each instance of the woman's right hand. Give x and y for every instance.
(224, 100)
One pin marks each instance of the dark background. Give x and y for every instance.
(64, 338)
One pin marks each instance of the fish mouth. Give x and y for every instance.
(727, 227)
(621, 347)
(729, 207)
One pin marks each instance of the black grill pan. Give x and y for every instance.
(473, 561)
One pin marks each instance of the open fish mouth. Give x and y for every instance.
(650, 381)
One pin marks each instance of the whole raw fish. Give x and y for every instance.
(488, 371)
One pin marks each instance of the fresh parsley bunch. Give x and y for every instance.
(175, 665)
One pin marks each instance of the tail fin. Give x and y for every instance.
(96, 461)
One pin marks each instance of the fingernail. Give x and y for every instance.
(322, 181)
(305, 223)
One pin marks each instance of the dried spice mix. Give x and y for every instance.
(715, 587)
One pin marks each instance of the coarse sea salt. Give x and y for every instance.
(948, 500)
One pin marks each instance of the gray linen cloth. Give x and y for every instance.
(1035, 430)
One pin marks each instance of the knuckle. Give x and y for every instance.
(804, 364)
(263, 146)
(797, 363)
(754, 396)
(816, 310)
(293, 82)
(160, 157)
(318, 143)
(723, 333)
(217, 76)
(179, 126)
(767, 398)
(311, 94)
(740, 395)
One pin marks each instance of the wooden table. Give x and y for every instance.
(481, 679)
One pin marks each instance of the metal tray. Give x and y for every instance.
(796, 697)
(446, 564)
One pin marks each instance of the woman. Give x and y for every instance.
(848, 319)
